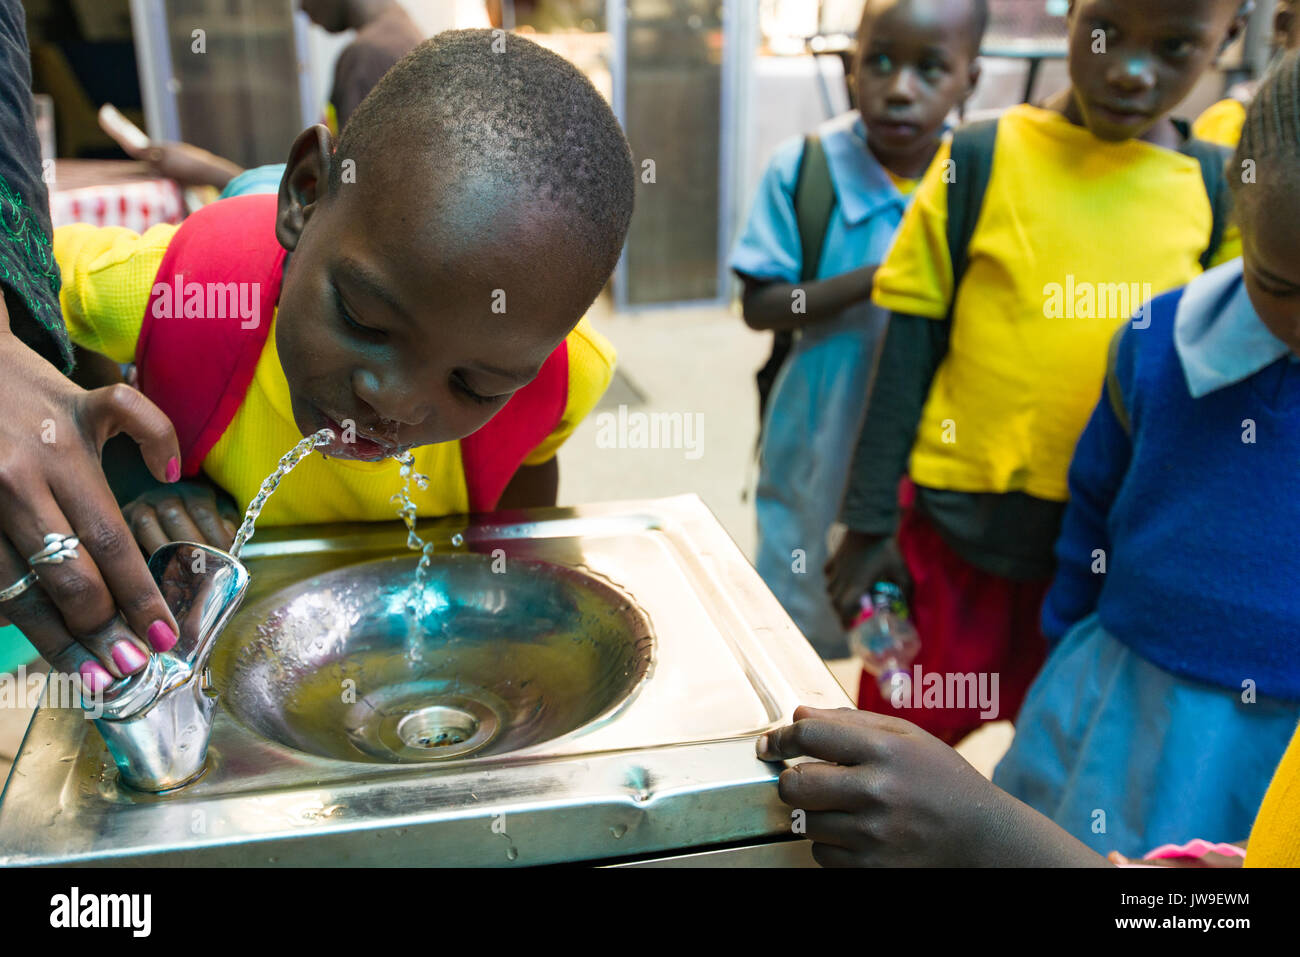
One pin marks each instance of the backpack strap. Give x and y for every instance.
(972, 156)
(1114, 395)
(197, 367)
(491, 456)
(814, 201)
(1213, 158)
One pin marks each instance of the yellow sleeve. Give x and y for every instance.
(591, 367)
(916, 276)
(1275, 838)
(108, 273)
(1221, 123)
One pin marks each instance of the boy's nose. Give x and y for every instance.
(902, 88)
(394, 400)
(1132, 73)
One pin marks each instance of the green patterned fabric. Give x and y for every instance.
(28, 269)
(29, 276)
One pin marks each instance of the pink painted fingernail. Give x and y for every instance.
(128, 657)
(95, 676)
(173, 469)
(160, 636)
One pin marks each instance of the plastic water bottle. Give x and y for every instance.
(885, 640)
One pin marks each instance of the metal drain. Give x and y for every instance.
(437, 727)
(420, 721)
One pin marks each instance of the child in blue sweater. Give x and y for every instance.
(1174, 684)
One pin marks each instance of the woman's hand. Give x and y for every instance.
(99, 613)
(182, 512)
(860, 562)
(897, 796)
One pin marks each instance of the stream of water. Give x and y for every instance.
(414, 598)
(288, 462)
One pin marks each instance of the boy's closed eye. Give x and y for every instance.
(350, 320)
(1275, 287)
(458, 379)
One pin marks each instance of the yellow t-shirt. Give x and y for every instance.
(901, 183)
(1221, 123)
(1074, 235)
(1275, 836)
(108, 274)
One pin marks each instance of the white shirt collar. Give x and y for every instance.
(1218, 336)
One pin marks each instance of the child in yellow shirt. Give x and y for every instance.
(1222, 122)
(418, 285)
(988, 372)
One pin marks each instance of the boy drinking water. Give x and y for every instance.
(420, 285)
(986, 375)
(915, 62)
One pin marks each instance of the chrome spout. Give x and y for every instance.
(157, 722)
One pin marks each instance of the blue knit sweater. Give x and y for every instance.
(1199, 526)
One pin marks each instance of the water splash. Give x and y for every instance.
(286, 465)
(407, 510)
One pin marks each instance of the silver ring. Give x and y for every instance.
(58, 549)
(18, 587)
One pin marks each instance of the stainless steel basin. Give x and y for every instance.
(358, 664)
(586, 685)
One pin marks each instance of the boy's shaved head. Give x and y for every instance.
(978, 23)
(503, 115)
(472, 210)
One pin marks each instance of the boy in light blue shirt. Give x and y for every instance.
(915, 63)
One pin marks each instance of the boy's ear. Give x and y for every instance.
(973, 78)
(1238, 25)
(305, 183)
(1282, 22)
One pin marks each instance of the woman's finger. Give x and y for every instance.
(119, 408)
(108, 549)
(73, 583)
(109, 653)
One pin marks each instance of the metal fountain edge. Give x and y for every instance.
(571, 800)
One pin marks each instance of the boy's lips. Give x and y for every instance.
(1122, 115)
(361, 447)
(896, 129)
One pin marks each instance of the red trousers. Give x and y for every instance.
(969, 621)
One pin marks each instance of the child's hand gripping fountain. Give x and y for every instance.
(157, 722)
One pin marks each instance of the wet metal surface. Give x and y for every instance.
(489, 662)
(595, 697)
